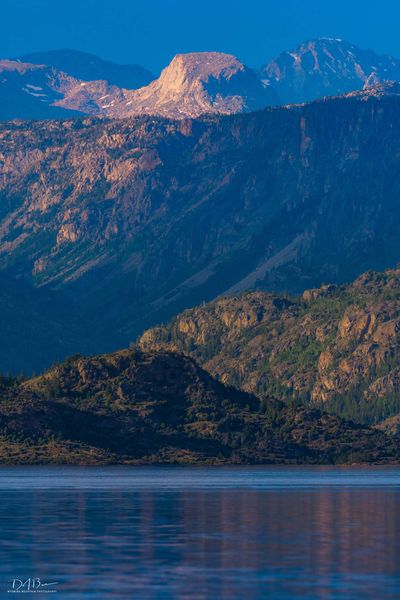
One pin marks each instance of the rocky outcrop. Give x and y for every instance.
(159, 407)
(339, 350)
(61, 83)
(37, 91)
(202, 82)
(390, 426)
(377, 90)
(324, 291)
(327, 67)
(192, 85)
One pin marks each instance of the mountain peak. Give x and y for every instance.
(191, 85)
(203, 65)
(89, 67)
(326, 67)
(202, 82)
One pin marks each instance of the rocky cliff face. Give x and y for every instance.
(192, 85)
(141, 218)
(326, 67)
(202, 82)
(336, 346)
(66, 82)
(135, 407)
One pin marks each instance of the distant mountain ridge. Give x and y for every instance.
(88, 67)
(327, 67)
(192, 85)
(61, 83)
(29, 91)
(199, 83)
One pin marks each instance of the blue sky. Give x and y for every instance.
(150, 32)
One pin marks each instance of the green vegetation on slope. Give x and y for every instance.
(337, 347)
(161, 407)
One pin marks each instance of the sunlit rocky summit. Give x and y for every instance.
(202, 82)
(69, 83)
(192, 85)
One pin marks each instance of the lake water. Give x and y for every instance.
(207, 533)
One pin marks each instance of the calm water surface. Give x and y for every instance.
(206, 533)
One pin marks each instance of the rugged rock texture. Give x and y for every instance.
(202, 82)
(29, 91)
(141, 218)
(88, 67)
(336, 347)
(327, 67)
(391, 426)
(66, 82)
(134, 407)
(377, 90)
(192, 85)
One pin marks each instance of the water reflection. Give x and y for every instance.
(311, 543)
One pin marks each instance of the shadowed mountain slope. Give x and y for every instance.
(141, 218)
(88, 67)
(134, 407)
